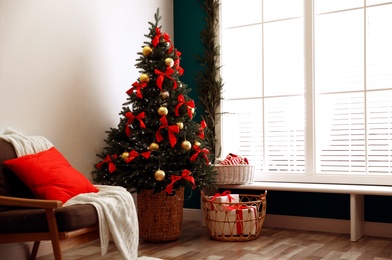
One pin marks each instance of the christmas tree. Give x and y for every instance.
(157, 144)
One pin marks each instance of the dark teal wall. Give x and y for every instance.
(188, 23)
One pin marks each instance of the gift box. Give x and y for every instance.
(234, 220)
(220, 200)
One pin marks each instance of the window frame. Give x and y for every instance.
(309, 175)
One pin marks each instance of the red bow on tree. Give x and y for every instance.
(169, 71)
(203, 125)
(138, 86)
(133, 154)
(177, 64)
(131, 117)
(204, 152)
(158, 36)
(170, 131)
(186, 175)
(189, 104)
(108, 160)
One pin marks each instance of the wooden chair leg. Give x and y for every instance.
(34, 251)
(54, 234)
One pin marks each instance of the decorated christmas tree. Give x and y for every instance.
(157, 145)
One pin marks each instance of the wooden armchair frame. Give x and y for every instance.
(60, 240)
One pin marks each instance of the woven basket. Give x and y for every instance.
(230, 222)
(235, 174)
(160, 216)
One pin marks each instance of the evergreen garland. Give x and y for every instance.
(209, 81)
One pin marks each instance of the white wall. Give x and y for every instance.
(64, 70)
(65, 67)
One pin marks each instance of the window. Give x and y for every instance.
(308, 89)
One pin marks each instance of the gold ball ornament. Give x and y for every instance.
(180, 125)
(153, 147)
(124, 155)
(169, 62)
(144, 78)
(162, 111)
(197, 143)
(164, 95)
(186, 145)
(159, 175)
(147, 50)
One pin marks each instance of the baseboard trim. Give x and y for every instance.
(309, 224)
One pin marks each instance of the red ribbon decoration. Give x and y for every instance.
(133, 154)
(170, 130)
(177, 64)
(158, 36)
(240, 217)
(108, 160)
(189, 104)
(186, 175)
(169, 71)
(131, 117)
(198, 151)
(225, 193)
(138, 86)
(203, 125)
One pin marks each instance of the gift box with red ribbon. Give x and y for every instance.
(234, 220)
(220, 200)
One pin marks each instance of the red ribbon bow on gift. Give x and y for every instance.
(170, 131)
(131, 117)
(158, 36)
(225, 193)
(138, 86)
(181, 101)
(204, 152)
(186, 175)
(133, 154)
(169, 71)
(203, 125)
(108, 160)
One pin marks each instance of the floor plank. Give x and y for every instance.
(195, 244)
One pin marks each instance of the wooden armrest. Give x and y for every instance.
(32, 203)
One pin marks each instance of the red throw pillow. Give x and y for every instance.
(49, 175)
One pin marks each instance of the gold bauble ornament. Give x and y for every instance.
(144, 78)
(197, 143)
(153, 147)
(124, 155)
(162, 111)
(147, 50)
(159, 175)
(169, 62)
(180, 125)
(186, 145)
(164, 95)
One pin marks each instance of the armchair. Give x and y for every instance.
(24, 218)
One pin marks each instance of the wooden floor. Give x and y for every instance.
(195, 243)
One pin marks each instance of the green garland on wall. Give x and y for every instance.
(208, 80)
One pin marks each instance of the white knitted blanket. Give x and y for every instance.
(117, 218)
(24, 144)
